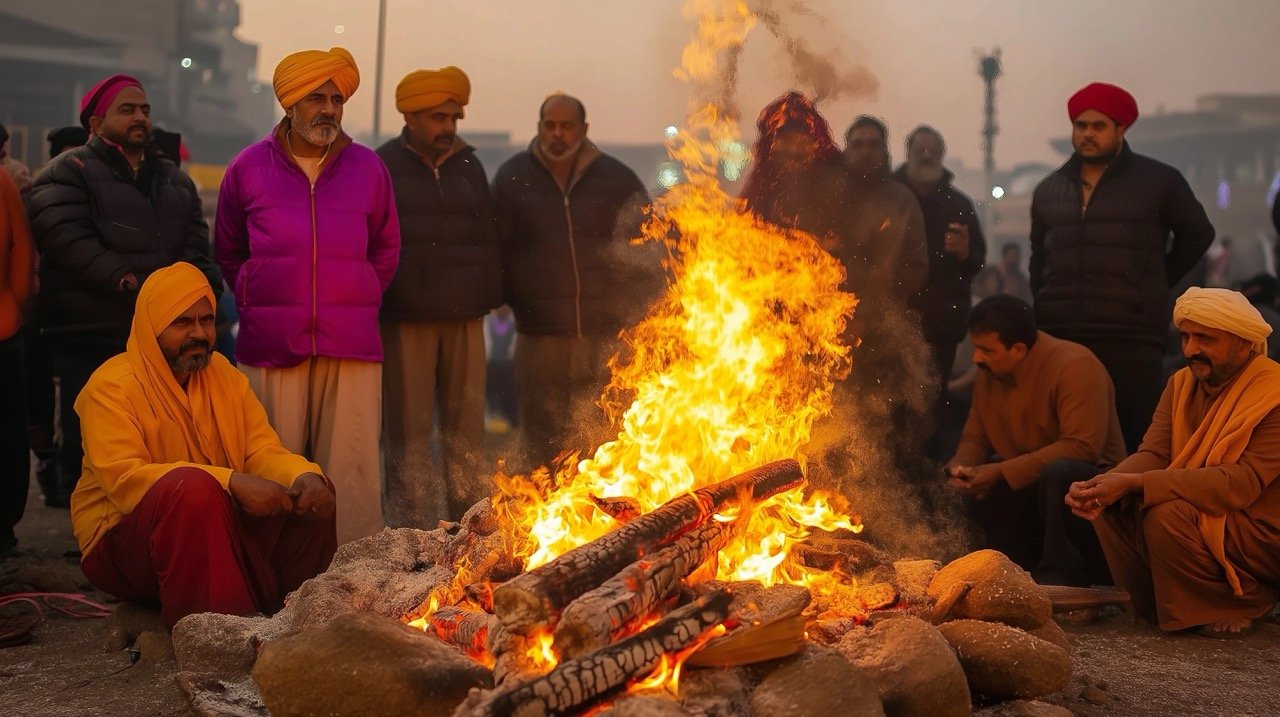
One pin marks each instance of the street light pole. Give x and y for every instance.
(377, 71)
(990, 69)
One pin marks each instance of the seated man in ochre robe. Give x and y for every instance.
(1190, 524)
(187, 497)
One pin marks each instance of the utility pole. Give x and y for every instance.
(377, 73)
(990, 69)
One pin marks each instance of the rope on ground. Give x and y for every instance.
(73, 604)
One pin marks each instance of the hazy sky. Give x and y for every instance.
(618, 57)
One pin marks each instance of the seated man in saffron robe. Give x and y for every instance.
(1190, 524)
(187, 498)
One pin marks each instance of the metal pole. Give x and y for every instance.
(377, 71)
(990, 69)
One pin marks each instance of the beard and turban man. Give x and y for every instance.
(449, 277)
(1190, 523)
(188, 498)
(308, 238)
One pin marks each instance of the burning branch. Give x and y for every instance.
(535, 598)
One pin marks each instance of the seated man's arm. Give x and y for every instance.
(975, 447)
(1219, 490)
(1084, 412)
(115, 451)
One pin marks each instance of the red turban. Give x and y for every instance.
(96, 101)
(1110, 100)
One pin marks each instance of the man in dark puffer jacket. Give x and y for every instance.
(449, 277)
(104, 217)
(566, 213)
(1101, 258)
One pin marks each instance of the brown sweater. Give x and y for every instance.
(1059, 404)
(1249, 485)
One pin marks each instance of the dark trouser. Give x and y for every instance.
(944, 358)
(500, 389)
(41, 398)
(187, 547)
(1038, 532)
(74, 363)
(558, 380)
(1137, 370)
(15, 456)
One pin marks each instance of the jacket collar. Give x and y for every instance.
(280, 142)
(587, 155)
(944, 183)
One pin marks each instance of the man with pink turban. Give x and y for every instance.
(1102, 260)
(308, 238)
(1190, 523)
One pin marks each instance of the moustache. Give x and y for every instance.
(446, 138)
(1200, 358)
(193, 344)
(324, 121)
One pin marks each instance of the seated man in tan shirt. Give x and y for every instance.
(1043, 416)
(1191, 522)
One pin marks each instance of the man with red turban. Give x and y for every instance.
(1101, 257)
(307, 236)
(187, 498)
(450, 276)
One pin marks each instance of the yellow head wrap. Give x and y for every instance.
(421, 89)
(1223, 309)
(300, 73)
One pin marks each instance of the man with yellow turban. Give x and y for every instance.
(308, 240)
(1191, 522)
(449, 277)
(187, 497)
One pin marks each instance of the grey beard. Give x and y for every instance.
(320, 135)
(187, 365)
(567, 153)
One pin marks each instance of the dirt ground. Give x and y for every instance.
(1121, 669)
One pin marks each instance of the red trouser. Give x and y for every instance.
(189, 548)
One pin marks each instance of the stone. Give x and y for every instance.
(645, 705)
(1052, 632)
(115, 639)
(997, 591)
(1024, 708)
(368, 665)
(225, 645)
(818, 682)
(211, 696)
(135, 619)
(1003, 662)
(155, 646)
(912, 666)
(1095, 695)
(913, 577)
(719, 692)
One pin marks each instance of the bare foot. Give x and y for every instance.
(1229, 628)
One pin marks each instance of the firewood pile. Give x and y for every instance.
(633, 623)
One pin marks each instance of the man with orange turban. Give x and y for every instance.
(307, 237)
(1190, 523)
(187, 497)
(1101, 257)
(449, 277)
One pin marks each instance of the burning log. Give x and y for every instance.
(465, 629)
(604, 614)
(577, 683)
(621, 509)
(537, 596)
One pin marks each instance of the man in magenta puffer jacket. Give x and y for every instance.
(308, 238)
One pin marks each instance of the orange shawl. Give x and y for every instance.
(1222, 436)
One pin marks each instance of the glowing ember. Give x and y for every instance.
(730, 370)
(541, 653)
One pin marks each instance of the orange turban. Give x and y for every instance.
(300, 73)
(421, 89)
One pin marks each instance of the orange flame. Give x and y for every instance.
(730, 369)
(541, 652)
(666, 675)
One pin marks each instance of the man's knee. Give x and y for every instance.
(189, 487)
(1171, 526)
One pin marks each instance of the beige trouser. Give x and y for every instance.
(433, 369)
(330, 410)
(559, 379)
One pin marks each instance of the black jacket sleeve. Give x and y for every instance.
(1192, 232)
(195, 245)
(62, 224)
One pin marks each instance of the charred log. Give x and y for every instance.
(621, 509)
(582, 681)
(537, 597)
(465, 629)
(608, 612)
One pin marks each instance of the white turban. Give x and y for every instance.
(1223, 309)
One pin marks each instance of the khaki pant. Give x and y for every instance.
(433, 369)
(559, 379)
(330, 410)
